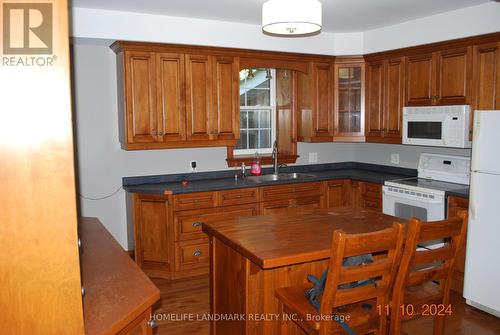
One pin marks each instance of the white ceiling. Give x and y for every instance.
(338, 15)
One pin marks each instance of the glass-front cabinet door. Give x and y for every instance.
(349, 100)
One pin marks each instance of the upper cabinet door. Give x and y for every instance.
(349, 111)
(375, 99)
(225, 122)
(198, 97)
(394, 99)
(420, 80)
(140, 104)
(453, 80)
(170, 87)
(486, 77)
(322, 104)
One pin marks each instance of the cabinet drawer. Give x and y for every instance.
(191, 254)
(188, 224)
(238, 197)
(288, 191)
(372, 190)
(195, 201)
(372, 204)
(291, 205)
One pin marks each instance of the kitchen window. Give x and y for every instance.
(257, 111)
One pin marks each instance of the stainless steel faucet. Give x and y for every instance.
(275, 157)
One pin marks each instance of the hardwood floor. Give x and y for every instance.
(188, 299)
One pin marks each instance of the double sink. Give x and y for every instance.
(279, 177)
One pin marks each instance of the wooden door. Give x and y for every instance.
(355, 194)
(453, 76)
(420, 80)
(170, 97)
(322, 104)
(153, 229)
(198, 97)
(225, 121)
(394, 100)
(486, 77)
(349, 111)
(337, 193)
(39, 258)
(140, 91)
(375, 99)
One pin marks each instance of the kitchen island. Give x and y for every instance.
(251, 257)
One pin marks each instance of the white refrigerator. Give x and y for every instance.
(482, 265)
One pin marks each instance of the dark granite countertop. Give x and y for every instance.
(224, 180)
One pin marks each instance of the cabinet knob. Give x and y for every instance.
(197, 224)
(160, 133)
(152, 323)
(83, 291)
(197, 253)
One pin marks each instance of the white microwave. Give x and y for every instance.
(438, 126)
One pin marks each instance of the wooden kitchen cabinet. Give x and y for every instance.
(170, 82)
(168, 228)
(175, 98)
(439, 78)
(295, 204)
(349, 102)
(316, 103)
(141, 114)
(199, 96)
(153, 222)
(225, 118)
(365, 194)
(486, 78)
(337, 192)
(384, 100)
(456, 204)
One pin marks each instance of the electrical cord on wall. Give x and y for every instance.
(101, 198)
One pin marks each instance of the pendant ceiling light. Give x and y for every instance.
(291, 17)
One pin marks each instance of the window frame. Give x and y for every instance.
(272, 108)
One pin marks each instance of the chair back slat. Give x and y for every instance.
(431, 256)
(353, 295)
(350, 274)
(372, 242)
(422, 276)
(440, 229)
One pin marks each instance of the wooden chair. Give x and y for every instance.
(359, 303)
(422, 285)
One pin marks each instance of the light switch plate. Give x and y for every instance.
(395, 158)
(313, 157)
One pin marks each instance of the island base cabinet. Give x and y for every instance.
(240, 287)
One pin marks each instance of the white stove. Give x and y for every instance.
(424, 197)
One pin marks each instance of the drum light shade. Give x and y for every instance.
(291, 17)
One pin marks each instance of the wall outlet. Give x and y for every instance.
(192, 166)
(313, 157)
(395, 158)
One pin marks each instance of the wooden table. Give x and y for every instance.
(251, 257)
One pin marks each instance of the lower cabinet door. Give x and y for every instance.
(153, 217)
